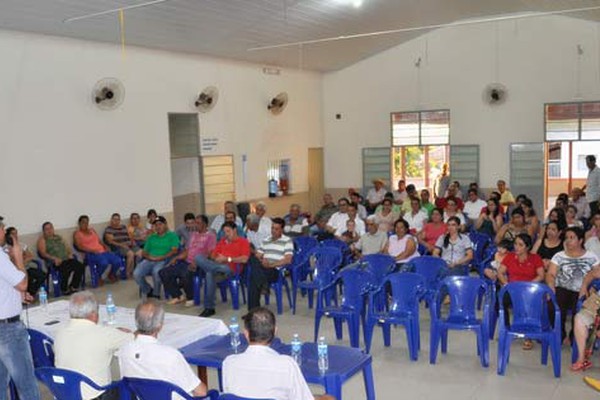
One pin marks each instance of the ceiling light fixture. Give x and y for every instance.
(354, 3)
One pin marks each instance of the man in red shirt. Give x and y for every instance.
(452, 193)
(230, 250)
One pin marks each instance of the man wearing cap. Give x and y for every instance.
(16, 362)
(159, 247)
(376, 194)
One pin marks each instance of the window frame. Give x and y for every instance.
(420, 129)
(580, 120)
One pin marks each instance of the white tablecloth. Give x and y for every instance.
(178, 330)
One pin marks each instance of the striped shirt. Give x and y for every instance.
(276, 250)
(120, 234)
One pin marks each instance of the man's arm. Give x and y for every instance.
(16, 254)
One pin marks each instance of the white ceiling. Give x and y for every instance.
(228, 28)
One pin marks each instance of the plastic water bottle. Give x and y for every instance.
(111, 309)
(43, 299)
(323, 353)
(234, 333)
(297, 349)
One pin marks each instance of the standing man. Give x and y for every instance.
(160, 246)
(16, 362)
(592, 185)
(506, 197)
(230, 250)
(274, 252)
(375, 195)
(441, 182)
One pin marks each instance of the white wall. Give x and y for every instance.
(61, 156)
(537, 62)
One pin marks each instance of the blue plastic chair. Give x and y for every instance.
(380, 265)
(480, 244)
(464, 292)
(433, 269)
(574, 350)
(150, 389)
(65, 384)
(236, 284)
(530, 320)
(356, 284)
(322, 265)
(278, 286)
(403, 309)
(344, 248)
(488, 257)
(227, 396)
(53, 274)
(302, 244)
(42, 349)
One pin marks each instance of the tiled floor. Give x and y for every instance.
(457, 375)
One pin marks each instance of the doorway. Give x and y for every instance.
(316, 184)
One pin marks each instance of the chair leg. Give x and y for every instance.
(197, 283)
(411, 341)
(434, 342)
(287, 291)
(368, 332)
(545, 346)
(279, 298)
(444, 337)
(318, 316)
(310, 298)
(555, 344)
(235, 293)
(294, 297)
(354, 330)
(387, 339)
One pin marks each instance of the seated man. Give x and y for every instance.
(252, 234)
(147, 358)
(375, 195)
(119, 241)
(473, 206)
(261, 372)
(160, 246)
(327, 209)
(352, 214)
(320, 230)
(274, 252)
(230, 250)
(357, 199)
(87, 347)
(52, 247)
(506, 197)
(451, 194)
(337, 221)
(230, 216)
(372, 242)
(217, 223)
(184, 230)
(86, 239)
(179, 272)
(264, 223)
(296, 224)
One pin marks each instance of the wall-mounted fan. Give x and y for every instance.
(108, 93)
(207, 99)
(278, 103)
(494, 94)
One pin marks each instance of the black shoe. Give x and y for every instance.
(208, 312)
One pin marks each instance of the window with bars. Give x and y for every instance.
(572, 121)
(421, 128)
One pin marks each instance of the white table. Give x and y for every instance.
(178, 330)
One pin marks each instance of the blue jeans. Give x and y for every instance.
(145, 268)
(16, 362)
(103, 260)
(210, 268)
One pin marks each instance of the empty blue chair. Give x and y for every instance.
(380, 265)
(530, 319)
(42, 349)
(278, 286)
(488, 257)
(433, 269)
(236, 284)
(464, 292)
(302, 244)
(322, 265)
(150, 389)
(480, 244)
(65, 384)
(406, 288)
(227, 396)
(356, 284)
(344, 248)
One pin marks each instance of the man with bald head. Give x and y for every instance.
(147, 358)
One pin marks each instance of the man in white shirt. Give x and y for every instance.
(376, 194)
(592, 185)
(401, 194)
(86, 347)
(264, 223)
(146, 358)
(416, 217)
(473, 206)
(16, 362)
(220, 219)
(337, 221)
(261, 372)
(578, 200)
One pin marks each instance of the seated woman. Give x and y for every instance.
(385, 217)
(571, 215)
(432, 230)
(531, 219)
(595, 229)
(452, 210)
(416, 217)
(490, 220)
(502, 249)
(584, 320)
(454, 248)
(515, 226)
(54, 248)
(35, 276)
(151, 216)
(521, 266)
(550, 243)
(566, 273)
(402, 245)
(136, 232)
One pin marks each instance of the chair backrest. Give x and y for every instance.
(406, 291)
(431, 268)
(340, 244)
(228, 396)
(324, 262)
(64, 384)
(302, 245)
(464, 292)
(357, 283)
(150, 389)
(529, 303)
(42, 349)
(380, 265)
(480, 243)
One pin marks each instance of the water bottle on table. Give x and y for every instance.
(234, 333)
(297, 349)
(323, 353)
(43, 296)
(111, 309)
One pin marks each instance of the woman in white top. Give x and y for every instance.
(402, 245)
(452, 210)
(385, 217)
(454, 248)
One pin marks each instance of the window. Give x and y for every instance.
(278, 175)
(421, 128)
(572, 121)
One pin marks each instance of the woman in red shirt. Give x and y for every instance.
(521, 265)
(432, 230)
